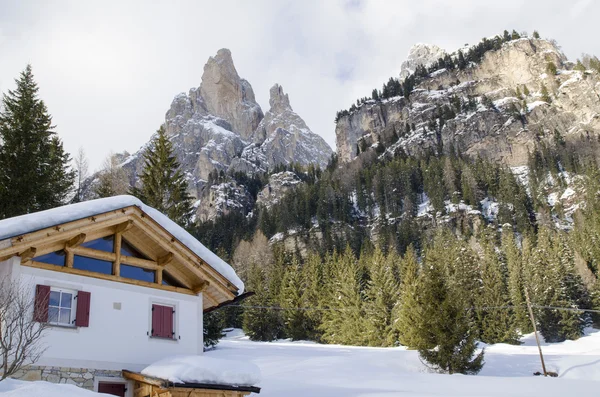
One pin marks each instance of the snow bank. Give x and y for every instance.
(18, 225)
(202, 369)
(300, 369)
(19, 388)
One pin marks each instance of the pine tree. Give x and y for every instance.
(34, 168)
(545, 94)
(315, 279)
(496, 320)
(345, 322)
(449, 343)
(514, 265)
(294, 318)
(213, 323)
(536, 35)
(381, 297)
(163, 184)
(407, 313)
(260, 322)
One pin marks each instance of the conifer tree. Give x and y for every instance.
(496, 320)
(294, 318)
(112, 179)
(314, 279)
(163, 184)
(259, 322)
(449, 343)
(514, 265)
(345, 322)
(34, 168)
(381, 297)
(545, 94)
(407, 313)
(213, 323)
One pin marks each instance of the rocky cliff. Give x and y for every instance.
(219, 126)
(497, 108)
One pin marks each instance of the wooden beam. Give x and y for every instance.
(143, 379)
(123, 227)
(201, 287)
(159, 275)
(96, 254)
(69, 258)
(109, 277)
(6, 257)
(75, 241)
(117, 262)
(165, 260)
(145, 263)
(28, 254)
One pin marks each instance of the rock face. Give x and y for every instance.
(506, 115)
(222, 199)
(220, 127)
(279, 185)
(282, 137)
(420, 55)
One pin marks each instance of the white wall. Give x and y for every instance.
(116, 339)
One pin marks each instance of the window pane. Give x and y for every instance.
(170, 280)
(53, 258)
(65, 300)
(137, 273)
(53, 314)
(54, 298)
(92, 265)
(102, 244)
(65, 316)
(129, 250)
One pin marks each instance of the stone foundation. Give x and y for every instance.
(82, 377)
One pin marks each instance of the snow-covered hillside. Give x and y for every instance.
(300, 369)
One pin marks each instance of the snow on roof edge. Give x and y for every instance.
(28, 223)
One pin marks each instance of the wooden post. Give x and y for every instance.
(117, 262)
(535, 331)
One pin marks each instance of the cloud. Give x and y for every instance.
(108, 70)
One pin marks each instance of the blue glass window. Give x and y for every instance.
(53, 258)
(129, 250)
(170, 280)
(137, 273)
(102, 244)
(92, 265)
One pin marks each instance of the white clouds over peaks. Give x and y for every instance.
(109, 69)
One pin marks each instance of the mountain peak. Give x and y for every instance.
(278, 99)
(420, 54)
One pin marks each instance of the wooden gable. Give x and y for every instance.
(155, 250)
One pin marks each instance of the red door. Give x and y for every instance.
(116, 389)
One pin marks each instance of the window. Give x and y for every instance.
(137, 273)
(168, 279)
(53, 258)
(102, 244)
(61, 307)
(129, 250)
(163, 322)
(92, 265)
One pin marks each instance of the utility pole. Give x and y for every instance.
(537, 339)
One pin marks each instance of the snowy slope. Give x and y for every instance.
(299, 369)
(18, 388)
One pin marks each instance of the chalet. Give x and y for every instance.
(122, 286)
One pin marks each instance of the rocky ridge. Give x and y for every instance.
(219, 126)
(515, 117)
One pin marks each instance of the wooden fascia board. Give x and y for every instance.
(65, 231)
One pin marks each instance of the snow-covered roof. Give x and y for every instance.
(202, 369)
(23, 224)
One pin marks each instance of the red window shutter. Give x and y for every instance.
(156, 320)
(162, 321)
(82, 315)
(168, 322)
(42, 300)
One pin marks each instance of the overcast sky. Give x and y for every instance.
(108, 70)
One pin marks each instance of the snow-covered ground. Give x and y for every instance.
(296, 369)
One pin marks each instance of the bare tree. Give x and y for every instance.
(81, 166)
(20, 335)
(112, 180)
